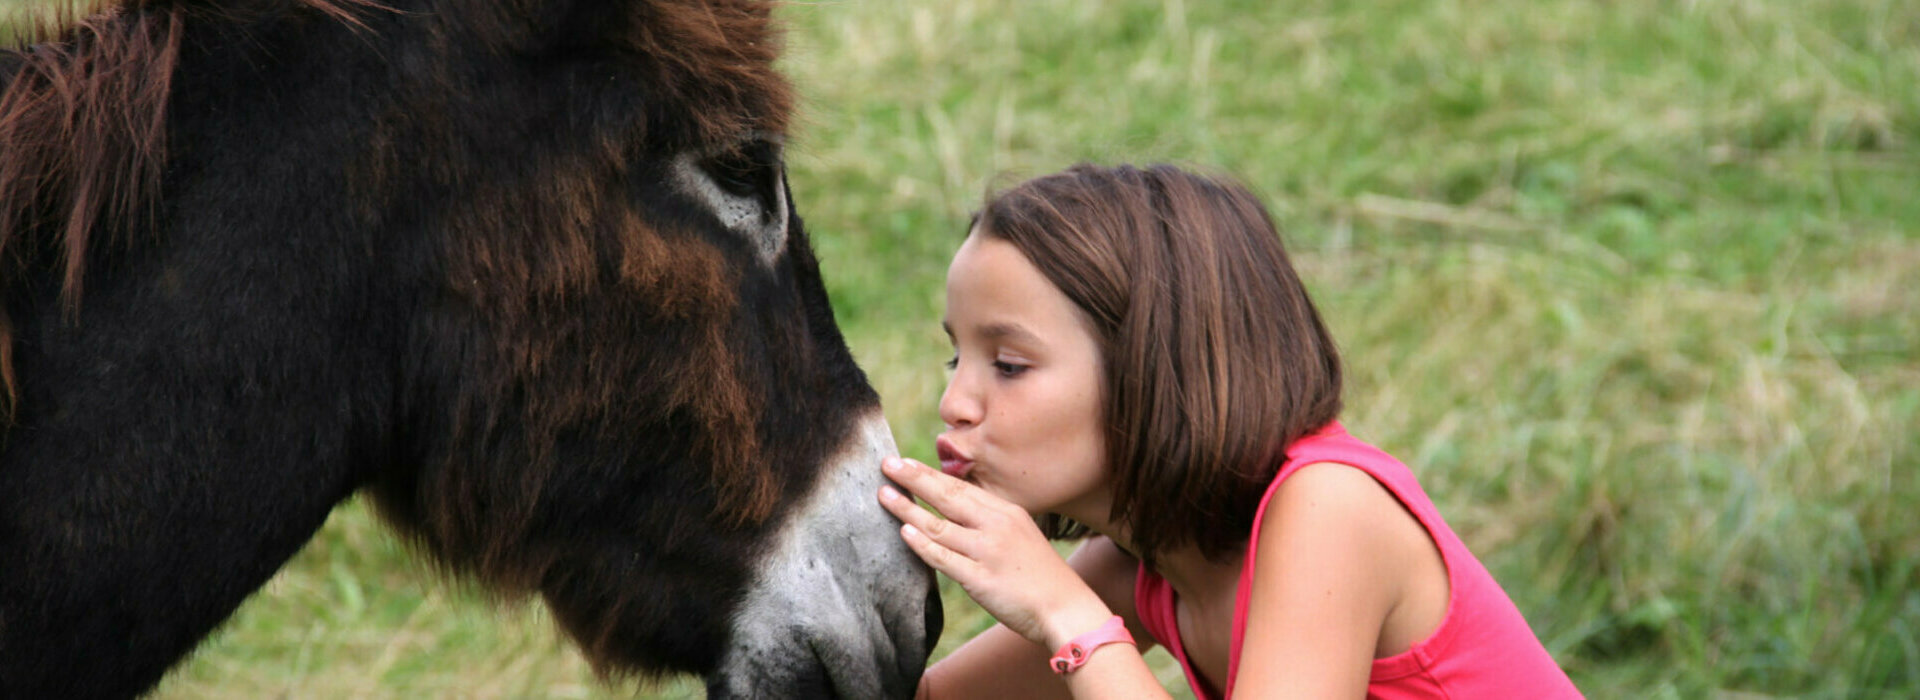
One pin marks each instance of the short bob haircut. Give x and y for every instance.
(1214, 358)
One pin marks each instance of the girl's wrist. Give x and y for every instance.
(1082, 617)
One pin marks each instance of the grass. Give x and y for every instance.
(1630, 284)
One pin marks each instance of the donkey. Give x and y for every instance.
(528, 272)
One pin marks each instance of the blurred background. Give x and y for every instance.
(1633, 286)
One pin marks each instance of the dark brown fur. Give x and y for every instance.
(458, 270)
(84, 120)
(84, 113)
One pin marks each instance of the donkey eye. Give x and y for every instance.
(742, 172)
(735, 173)
(742, 187)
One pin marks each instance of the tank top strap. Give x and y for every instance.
(1334, 444)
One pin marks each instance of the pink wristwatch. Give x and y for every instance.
(1075, 653)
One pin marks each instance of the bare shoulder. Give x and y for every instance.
(1332, 490)
(1329, 573)
(1341, 506)
(1328, 506)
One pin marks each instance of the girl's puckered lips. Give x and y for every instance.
(952, 462)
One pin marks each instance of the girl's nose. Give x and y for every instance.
(959, 407)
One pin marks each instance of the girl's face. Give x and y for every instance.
(1022, 407)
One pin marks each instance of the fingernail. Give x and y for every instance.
(887, 493)
(891, 464)
(909, 531)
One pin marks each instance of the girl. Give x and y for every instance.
(1135, 359)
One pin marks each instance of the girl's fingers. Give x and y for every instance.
(952, 497)
(948, 533)
(956, 566)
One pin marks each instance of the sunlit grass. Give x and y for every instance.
(1630, 284)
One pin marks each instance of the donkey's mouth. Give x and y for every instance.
(833, 611)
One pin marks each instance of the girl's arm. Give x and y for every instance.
(999, 663)
(1337, 553)
(995, 552)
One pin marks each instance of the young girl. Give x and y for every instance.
(1135, 359)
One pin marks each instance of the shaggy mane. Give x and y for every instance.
(83, 130)
(83, 113)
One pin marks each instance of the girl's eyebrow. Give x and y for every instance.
(1008, 331)
(998, 331)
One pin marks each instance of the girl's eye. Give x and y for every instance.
(1008, 369)
(953, 363)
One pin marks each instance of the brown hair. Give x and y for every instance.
(1214, 357)
(82, 117)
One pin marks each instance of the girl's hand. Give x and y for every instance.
(993, 549)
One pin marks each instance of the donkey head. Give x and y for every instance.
(624, 387)
(528, 270)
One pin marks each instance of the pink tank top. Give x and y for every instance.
(1483, 647)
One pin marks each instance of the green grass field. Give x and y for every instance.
(1633, 285)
